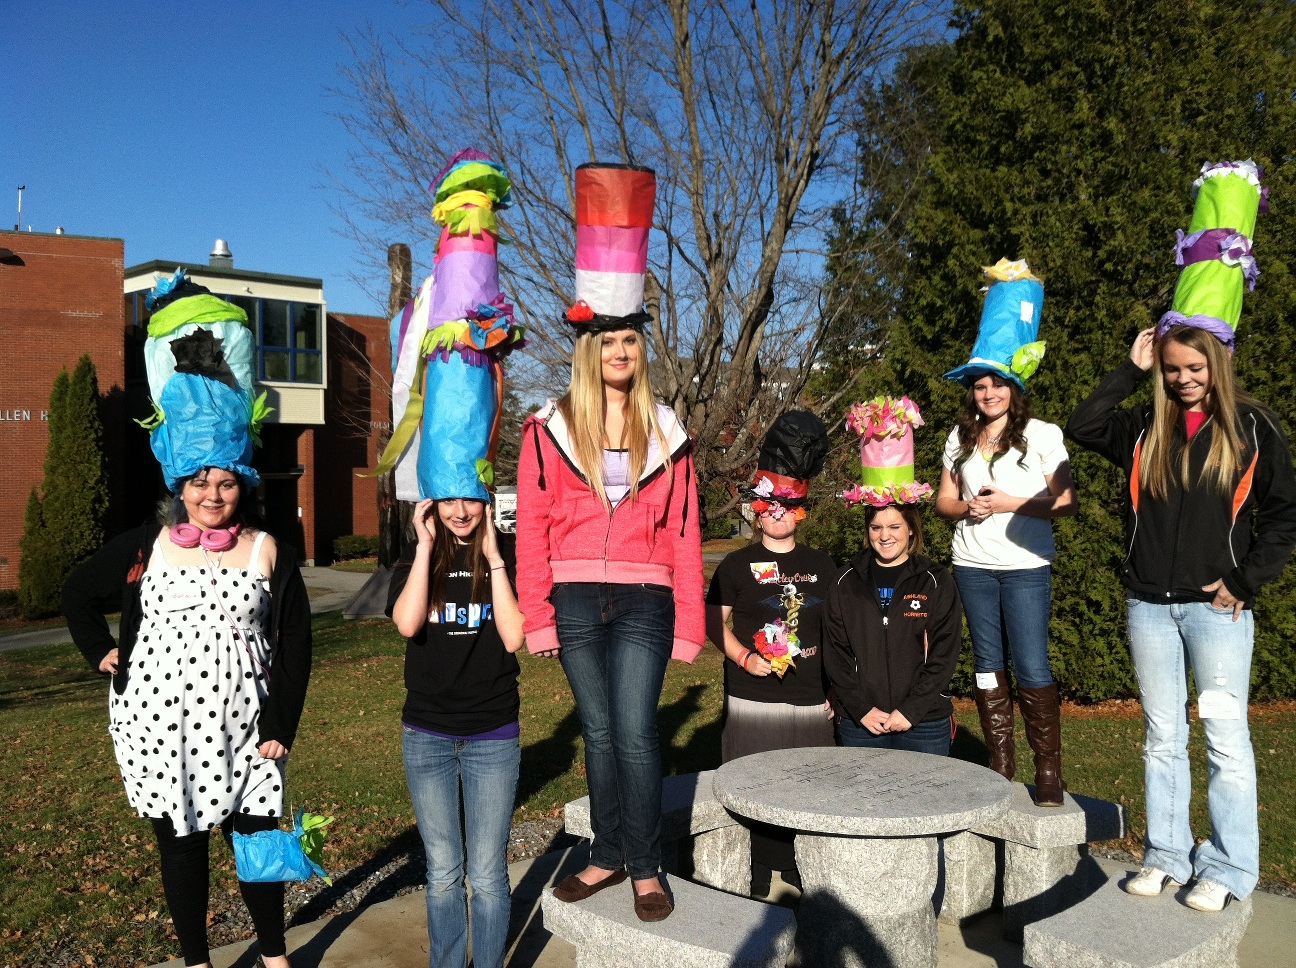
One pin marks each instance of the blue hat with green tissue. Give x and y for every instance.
(1006, 344)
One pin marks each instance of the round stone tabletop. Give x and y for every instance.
(862, 792)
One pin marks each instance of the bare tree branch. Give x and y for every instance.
(743, 107)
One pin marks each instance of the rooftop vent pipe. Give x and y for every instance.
(221, 257)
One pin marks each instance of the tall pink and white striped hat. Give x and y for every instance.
(614, 212)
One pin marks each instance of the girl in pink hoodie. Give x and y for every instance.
(610, 580)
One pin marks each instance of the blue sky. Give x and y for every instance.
(172, 125)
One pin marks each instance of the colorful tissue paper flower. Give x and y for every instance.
(884, 417)
(911, 493)
(1009, 271)
(580, 312)
(164, 287)
(764, 487)
(880, 497)
(778, 644)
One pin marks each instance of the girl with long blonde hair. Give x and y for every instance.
(609, 543)
(1211, 518)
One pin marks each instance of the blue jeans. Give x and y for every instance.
(932, 737)
(486, 770)
(1164, 639)
(1008, 611)
(615, 643)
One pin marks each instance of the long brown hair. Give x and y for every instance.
(912, 517)
(446, 549)
(971, 422)
(584, 409)
(1161, 463)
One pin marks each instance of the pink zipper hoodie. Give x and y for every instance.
(565, 534)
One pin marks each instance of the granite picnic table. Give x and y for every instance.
(867, 823)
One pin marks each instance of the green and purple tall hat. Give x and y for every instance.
(1216, 250)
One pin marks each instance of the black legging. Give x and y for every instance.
(185, 874)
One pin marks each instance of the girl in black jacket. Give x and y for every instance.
(1211, 516)
(892, 632)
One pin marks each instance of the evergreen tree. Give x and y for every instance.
(39, 581)
(65, 526)
(1069, 134)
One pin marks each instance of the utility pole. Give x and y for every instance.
(21, 189)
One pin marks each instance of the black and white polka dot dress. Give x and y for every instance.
(185, 729)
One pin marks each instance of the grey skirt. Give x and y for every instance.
(757, 727)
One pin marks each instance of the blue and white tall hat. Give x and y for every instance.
(199, 357)
(1007, 343)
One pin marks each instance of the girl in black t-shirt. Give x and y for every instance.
(452, 598)
(775, 583)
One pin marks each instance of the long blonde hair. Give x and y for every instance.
(584, 409)
(1159, 465)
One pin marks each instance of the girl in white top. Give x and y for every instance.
(1005, 477)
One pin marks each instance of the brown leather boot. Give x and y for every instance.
(1043, 714)
(996, 710)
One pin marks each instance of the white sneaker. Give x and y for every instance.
(1207, 896)
(1149, 882)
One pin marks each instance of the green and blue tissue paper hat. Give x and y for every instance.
(449, 343)
(1216, 250)
(200, 360)
(1007, 343)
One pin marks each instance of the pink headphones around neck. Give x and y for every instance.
(213, 539)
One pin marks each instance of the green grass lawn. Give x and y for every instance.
(76, 862)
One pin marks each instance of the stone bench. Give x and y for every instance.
(721, 845)
(1111, 929)
(1045, 865)
(708, 929)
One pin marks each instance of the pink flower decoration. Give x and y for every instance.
(884, 417)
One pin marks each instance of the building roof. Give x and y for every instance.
(62, 235)
(195, 268)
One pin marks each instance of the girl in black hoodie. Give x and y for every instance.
(892, 632)
(1210, 518)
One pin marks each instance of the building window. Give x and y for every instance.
(288, 335)
(288, 342)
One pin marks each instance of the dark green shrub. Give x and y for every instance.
(355, 546)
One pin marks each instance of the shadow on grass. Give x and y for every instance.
(969, 747)
(56, 688)
(702, 752)
(550, 758)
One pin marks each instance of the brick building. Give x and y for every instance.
(325, 375)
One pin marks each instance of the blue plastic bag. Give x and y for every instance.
(280, 855)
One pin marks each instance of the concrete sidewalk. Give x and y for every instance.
(329, 591)
(393, 934)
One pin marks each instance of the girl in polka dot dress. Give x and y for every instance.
(208, 684)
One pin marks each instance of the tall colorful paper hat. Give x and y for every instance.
(1216, 251)
(199, 357)
(614, 213)
(885, 426)
(1006, 344)
(791, 455)
(449, 342)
